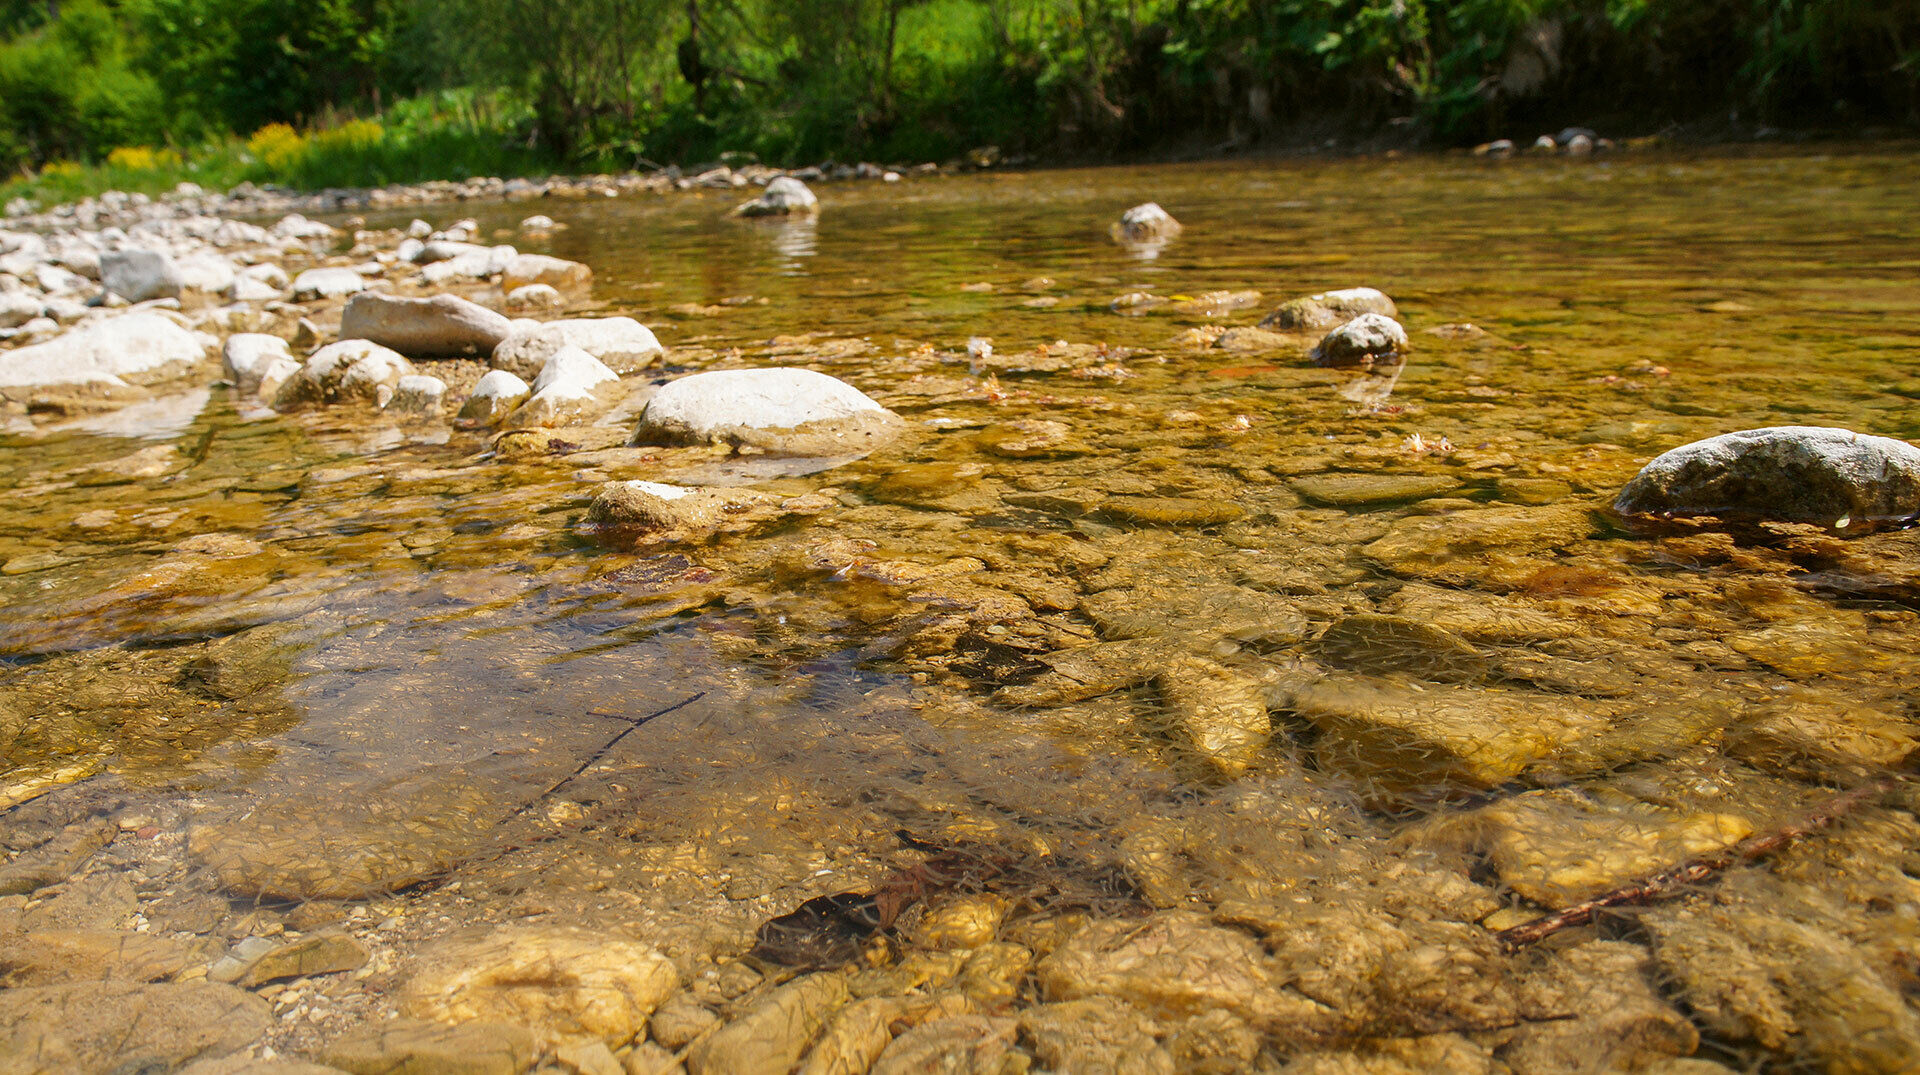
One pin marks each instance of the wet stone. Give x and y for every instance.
(1094, 1035)
(1170, 511)
(770, 1037)
(962, 1044)
(325, 953)
(1558, 848)
(120, 1026)
(1353, 490)
(418, 1048)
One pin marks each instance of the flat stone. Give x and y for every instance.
(1460, 546)
(1171, 510)
(409, 1047)
(321, 953)
(1558, 847)
(780, 411)
(1330, 309)
(443, 325)
(327, 284)
(121, 1026)
(623, 344)
(56, 956)
(1811, 474)
(1353, 490)
(134, 348)
(562, 982)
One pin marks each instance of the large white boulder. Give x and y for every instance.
(141, 347)
(782, 411)
(1814, 474)
(622, 343)
(139, 275)
(439, 326)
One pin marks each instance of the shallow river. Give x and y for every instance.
(1155, 666)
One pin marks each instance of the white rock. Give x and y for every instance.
(347, 371)
(409, 250)
(1145, 222)
(574, 368)
(327, 284)
(437, 326)
(784, 195)
(1367, 337)
(541, 269)
(19, 307)
(783, 411)
(537, 223)
(475, 264)
(139, 275)
(497, 394)
(269, 274)
(139, 347)
(418, 394)
(535, 297)
(419, 229)
(622, 343)
(207, 273)
(274, 373)
(251, 289)
(246, 355)
(295, 226)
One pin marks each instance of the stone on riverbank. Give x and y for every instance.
(139, 275)
(1330, 309)
(781, 411)
(347, 371)
(1145, 223)
(142, 347)
(247, 358)
(327, 284)
(535, 297)
(623, 344)
(1361, 342)
(418, 394)
(783, 196)
(444, 325)
(528, 269)
(1812, 474)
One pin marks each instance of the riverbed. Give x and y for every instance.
(1238, 703)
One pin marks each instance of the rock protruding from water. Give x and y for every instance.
(783, 196)
(1813, 474)
(495, 397)
(1362, 342)
(1145, 223)
(347, 371)
(1330, 309)
(248, 358)
(622, 343)
(564, 390)
(139, 275)
(528, 269)
(134, 348)
(782, 411)
(444, 325)
(418, 394)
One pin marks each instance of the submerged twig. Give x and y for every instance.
(1670, 881)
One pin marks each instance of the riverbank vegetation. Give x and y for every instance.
(361, 92)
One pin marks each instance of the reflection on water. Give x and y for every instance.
(1260, 696)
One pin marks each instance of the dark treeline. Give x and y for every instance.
(615, 82)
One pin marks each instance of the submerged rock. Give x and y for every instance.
(134, 348)
(430, 327)
(561, 982)
(783, 196)
(139, 275)
(1560, 847)
(119, 1026)
(1330, 309)
(1811, 474)
(1145, 223)
(622, 343)
(1362, 342)
(781, 411)
(412, 1046)
(1221, 713)
(648, 506)
(769, 1038)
